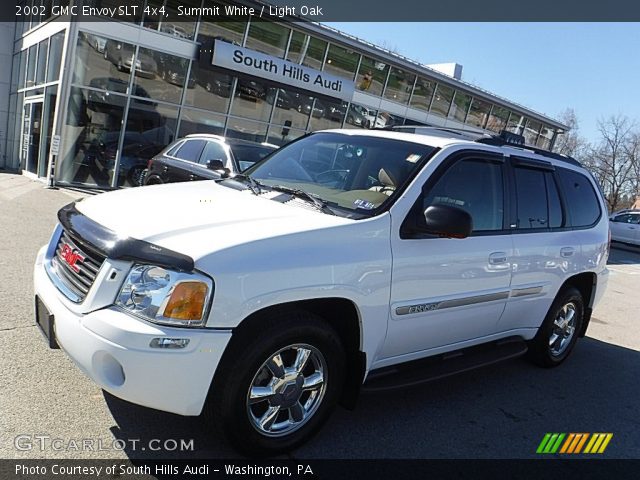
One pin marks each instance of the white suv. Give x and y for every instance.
(346, 257)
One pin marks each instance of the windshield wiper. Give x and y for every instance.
(254, 185)
(321, 204)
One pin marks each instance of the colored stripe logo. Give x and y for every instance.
(574, 443)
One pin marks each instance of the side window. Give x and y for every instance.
(635, 219)
(213, 151)
(174, 150)
(531, 194)
(582, 202)
(624, 218)
(190, 150)
(475, 186)
(555, 206)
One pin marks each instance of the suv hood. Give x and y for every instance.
(197, 218)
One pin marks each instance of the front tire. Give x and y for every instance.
(558, 333)
(276, 385)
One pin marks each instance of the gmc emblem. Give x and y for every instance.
(70, 257)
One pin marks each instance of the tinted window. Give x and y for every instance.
(555, 207)
(627, 218)
(532, 209)
(191, 150)
(247, 155)
(475, 186)
(213, 151)
(581, 199)
(174, 149)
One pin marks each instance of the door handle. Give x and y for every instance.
(497, 258)
(567, 251)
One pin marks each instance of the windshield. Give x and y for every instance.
(348, 171)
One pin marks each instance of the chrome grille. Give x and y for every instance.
(80, 278)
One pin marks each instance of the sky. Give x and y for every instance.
(593, 68)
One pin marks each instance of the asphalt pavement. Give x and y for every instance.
(49, 409)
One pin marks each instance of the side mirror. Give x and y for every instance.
(448, 221)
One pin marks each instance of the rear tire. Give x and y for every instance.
(277, 384)
(559, 332)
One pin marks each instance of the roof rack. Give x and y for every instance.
(504, 139)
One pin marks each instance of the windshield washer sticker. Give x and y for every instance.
(413, 158)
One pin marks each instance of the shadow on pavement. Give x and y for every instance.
(501, 411)
(623, 254)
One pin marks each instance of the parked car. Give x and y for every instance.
(263, 300)
(96, 41)
(625, 226)
(122, 55)
(173, 69)
(204, 156)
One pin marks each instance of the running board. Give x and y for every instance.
(440, 366)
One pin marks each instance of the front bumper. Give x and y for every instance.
(112, 348)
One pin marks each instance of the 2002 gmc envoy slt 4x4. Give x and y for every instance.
(345, 258)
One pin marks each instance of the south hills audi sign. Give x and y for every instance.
(250, 62)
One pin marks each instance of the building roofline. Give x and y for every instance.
(402, 61)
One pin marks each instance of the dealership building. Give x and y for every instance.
(88, 102)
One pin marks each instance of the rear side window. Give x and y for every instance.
(582, 202)
(532, 205)
(191, 150)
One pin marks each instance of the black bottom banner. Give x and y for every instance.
(544, 468)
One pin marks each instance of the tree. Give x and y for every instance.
(613, 158)
(570, 143)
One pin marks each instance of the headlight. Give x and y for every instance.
(166, 297)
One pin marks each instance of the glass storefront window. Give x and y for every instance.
(298, 46)
(497, 119)
(221, 26)
(359, 116)
(293, 107)
(55, 57)
(279, 135)
(268, 37)
(531, 132)
(249, 100)
(516, 123)
(386, 119)
(209, 89)
(103, 63)
(422, 94)
(41, 69)
(246, 129)
(544, 140)
(399, 85)
(91, 135)
(460, 106)
(372, 76)
(478, 113)
(315, 53)
(160, 75)
(31, 66)
(442, 100)
(183, 26)
(327, 113)
(342, 62)
(197, 121)
(22, 76)
(150, 128)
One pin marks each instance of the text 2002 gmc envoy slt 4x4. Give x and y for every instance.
(344, 258)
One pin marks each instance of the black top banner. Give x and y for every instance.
(330, 10)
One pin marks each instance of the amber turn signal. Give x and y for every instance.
(187, 301)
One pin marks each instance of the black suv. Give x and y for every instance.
(202, 157)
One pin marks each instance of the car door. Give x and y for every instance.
(636, 228)
(446, 291)
(183, 165)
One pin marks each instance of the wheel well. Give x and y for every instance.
(586, 285)
(343, 316)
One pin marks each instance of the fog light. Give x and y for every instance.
(169, 342)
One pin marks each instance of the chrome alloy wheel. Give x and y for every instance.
(287, 390)
(564, 327)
